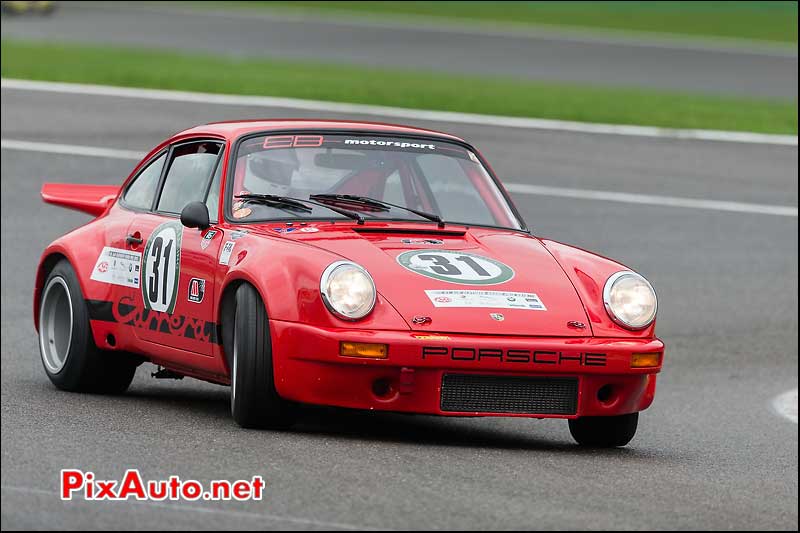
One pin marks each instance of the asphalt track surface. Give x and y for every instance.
(710, 453)
(547, 57)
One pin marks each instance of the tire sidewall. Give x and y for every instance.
(81, 343)
(604, 431)
(256, 403)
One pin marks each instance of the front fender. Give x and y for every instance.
(588, 272)
(287, 275)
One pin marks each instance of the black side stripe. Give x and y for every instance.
(101, 310)
(171, 324)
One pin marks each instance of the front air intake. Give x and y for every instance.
(467, 393)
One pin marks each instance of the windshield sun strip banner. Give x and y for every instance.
(357, 143)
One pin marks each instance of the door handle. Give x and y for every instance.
(134, 240)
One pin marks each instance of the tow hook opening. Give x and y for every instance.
(606, 394)
(382, 389)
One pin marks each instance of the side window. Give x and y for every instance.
(212, 200)
(142, 190)
(188, 174)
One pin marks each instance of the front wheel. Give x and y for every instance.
(70, 357)
(254, 401)
(604, 431)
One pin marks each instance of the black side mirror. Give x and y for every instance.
(195, 215)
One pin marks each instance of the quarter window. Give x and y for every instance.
(142, 190)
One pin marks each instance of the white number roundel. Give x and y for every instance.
(456, 266)
(162, 267)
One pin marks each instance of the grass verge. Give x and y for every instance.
(148, 68)
(774, 21)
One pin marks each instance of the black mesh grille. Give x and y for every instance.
(509, 394)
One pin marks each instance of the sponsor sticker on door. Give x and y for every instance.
(227, 250)
(197, 290)
(117, 266)
(207, 238)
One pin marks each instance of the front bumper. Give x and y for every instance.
(309, 369)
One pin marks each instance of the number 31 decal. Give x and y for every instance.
(162, 267)
(456, 266)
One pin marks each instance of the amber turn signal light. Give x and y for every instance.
(645, 360)
(362, 349)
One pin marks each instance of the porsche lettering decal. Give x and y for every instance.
(535, 357)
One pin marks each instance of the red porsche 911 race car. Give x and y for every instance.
(349, 264)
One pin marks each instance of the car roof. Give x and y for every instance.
(232, 130)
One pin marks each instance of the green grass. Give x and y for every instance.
(750, 20)
(411, 89)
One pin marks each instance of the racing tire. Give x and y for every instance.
(604, 431)
(69, 355)
(254, 401)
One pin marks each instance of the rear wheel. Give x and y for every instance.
(70, 357)
(604, 431)
(254, 401)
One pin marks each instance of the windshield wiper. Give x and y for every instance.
(273, 200)
(374, 204)
(297, 204)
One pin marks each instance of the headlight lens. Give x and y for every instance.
(630, 300)
(347, 290)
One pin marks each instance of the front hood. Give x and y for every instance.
(480, 281)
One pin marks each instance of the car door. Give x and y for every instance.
(118, 267)
(177, 283)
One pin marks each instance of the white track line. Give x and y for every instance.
(649, 199)
(786, 405)
(200, 509)
(70, 149)
(398, 112)
(518, 188)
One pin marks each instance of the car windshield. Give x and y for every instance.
(438, 180)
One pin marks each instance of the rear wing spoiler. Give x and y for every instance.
(91, 199)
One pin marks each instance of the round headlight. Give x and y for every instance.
(347, 290)
(630, 300)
